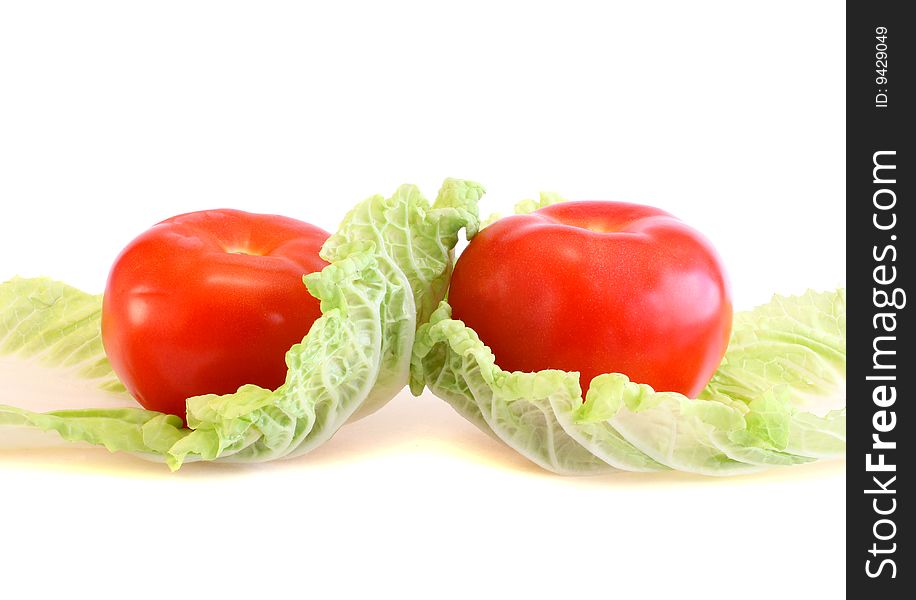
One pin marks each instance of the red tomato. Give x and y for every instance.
(208, 301)
(597, 287)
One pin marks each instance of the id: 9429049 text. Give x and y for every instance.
(881, 67)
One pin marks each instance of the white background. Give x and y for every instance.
(116, 115)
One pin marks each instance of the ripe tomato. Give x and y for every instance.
(597, 287)
(208, 301)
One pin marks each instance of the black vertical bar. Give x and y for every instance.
(879, 276)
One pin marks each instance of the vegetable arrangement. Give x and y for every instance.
(389, 267)
(777, 398)
(200, 310)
